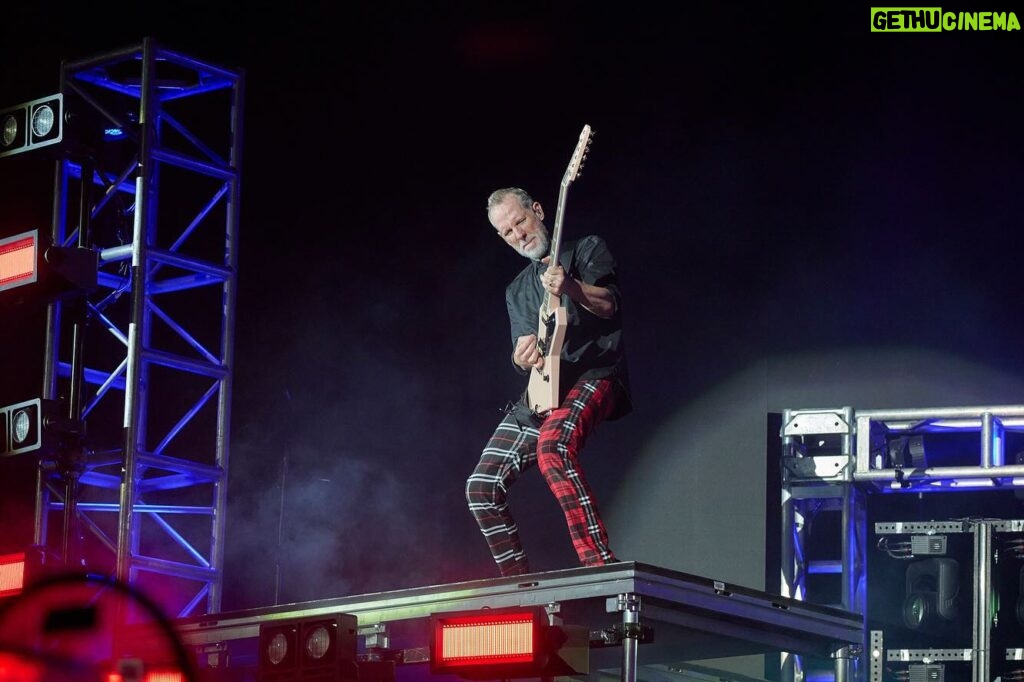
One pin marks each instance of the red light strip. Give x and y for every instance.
(509, 640)
(164, 676)
(18, 260)
(12, 573)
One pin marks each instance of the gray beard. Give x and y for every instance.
(539, 250)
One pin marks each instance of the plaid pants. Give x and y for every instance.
(554, 446)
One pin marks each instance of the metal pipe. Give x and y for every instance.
(983, 602)
(941, 473)
(932, 413)
(227, 345)
(135, 399)
(842, 664)
(630, 606)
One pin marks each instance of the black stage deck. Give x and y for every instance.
(692, 618)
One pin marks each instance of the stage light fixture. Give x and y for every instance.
(10, 131)
(30, 426)
(908, 451)
(278, 651)
(280, 645)
(31, 125)
(318, 642)
(506, 644)
(309, 650)
(18, 256)
(932, 588)
(47, 272)
(12, 574)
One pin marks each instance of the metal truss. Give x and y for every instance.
(817, 469)
(150, 178)
(833, 458)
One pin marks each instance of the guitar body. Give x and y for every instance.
(543, 393)
(544, 390)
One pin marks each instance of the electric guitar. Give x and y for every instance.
(543, 392)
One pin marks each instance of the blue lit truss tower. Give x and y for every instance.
(149, 177)
(833, 461)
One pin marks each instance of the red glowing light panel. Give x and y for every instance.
(489, 640)
(12, 573)
(164, 676)
(18, 260)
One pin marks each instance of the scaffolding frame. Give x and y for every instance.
(154, 138)
(833, 458)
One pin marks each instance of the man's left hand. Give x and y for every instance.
(554, 280)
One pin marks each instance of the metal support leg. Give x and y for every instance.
(793, 569)
(983, 601)
(553, 610)
(629, 606)
(854, 569)
(842, 657)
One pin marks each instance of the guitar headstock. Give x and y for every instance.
(579, 156)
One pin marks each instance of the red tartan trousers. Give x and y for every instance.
(554, 446)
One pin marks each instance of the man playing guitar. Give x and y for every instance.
(574, 287)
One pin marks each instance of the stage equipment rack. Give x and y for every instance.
(834, 458)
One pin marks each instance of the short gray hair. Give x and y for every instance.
(499, 195)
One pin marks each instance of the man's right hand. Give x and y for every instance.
(526, 354)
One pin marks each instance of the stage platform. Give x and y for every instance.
(691, 618)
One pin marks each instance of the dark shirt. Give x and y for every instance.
(593, 346)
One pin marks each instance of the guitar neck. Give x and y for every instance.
(575, 163)
(556, 232)
(550, 300)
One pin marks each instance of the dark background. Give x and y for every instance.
(805, 214)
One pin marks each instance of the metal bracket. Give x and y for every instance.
(623, 602)
(397, 656)
(616, 634)
(374, 636)
(815, 422)
(378, 647)
(554, 611)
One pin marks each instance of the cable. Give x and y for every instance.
(899, 550)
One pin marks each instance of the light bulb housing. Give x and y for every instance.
(312, 648)
(31, 125)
